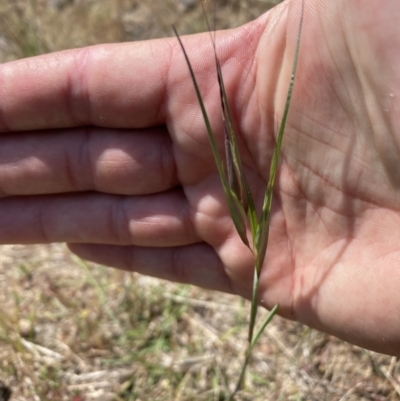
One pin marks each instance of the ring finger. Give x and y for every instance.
(160, 220)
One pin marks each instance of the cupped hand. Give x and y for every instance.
(105, 148)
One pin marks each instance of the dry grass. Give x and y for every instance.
(71, 331)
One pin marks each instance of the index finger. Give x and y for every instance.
(126, 85)
(120, 85)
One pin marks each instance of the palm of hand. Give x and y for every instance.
(334, 248)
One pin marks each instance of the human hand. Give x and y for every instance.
(105, 148)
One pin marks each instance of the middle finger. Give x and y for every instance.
(128, 162)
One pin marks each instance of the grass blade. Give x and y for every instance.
(264, 324)
(236, 176)
(236, 209)
(214, 148)
(261, 240)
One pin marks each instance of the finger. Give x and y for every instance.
(101, 85)
(119, 85)
(154, 220)
(126, 85)
(196, 264)
(113, 161)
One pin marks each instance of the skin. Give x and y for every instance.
(105, 148)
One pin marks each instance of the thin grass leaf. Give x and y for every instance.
(251, 214)
(236, 177)
(236, 209)
(239, 217)
(261, 240)
(239, 179)
(232, 181)
(264, 324)
(214, 148)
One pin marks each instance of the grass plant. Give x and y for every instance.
(236, 188)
